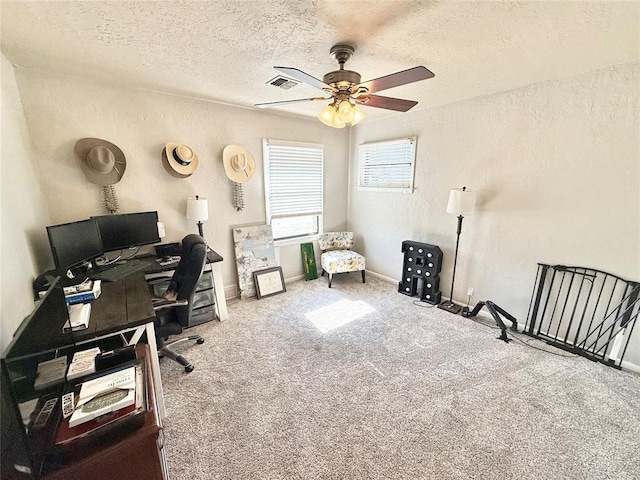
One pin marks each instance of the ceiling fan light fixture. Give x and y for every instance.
(345, 111)
(337, 123)
(357, 115)
(327, 115)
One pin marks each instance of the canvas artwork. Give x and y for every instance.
(254, 251)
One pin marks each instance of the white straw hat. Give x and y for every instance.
(239, 164)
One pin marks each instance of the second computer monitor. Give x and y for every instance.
(128, 230)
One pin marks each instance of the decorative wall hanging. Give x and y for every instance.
(102, 163)
(179, 160)
(254, 251)
(239, 165)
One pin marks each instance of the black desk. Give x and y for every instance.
(122, 304)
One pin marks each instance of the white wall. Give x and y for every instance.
(59, 111)
(557, 167)
(23, 210)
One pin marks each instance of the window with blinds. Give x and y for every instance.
(387, 165)
(293, 177)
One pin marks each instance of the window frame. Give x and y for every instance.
(380, 187)
(317, 215)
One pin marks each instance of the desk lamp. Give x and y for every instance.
(198, 210)
(461, 202)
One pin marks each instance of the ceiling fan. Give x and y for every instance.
(346, 91)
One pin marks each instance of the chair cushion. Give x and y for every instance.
(339, 261)
(335, 241)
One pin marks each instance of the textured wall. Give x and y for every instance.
(60, 110)
(557, 167)
(23, 211)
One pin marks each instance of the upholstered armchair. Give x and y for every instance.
(337, 256)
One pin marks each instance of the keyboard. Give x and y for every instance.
(120, 270)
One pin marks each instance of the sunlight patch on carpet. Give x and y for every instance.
(338, 314)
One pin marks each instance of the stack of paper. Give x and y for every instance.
(79, 315)
(104, 395)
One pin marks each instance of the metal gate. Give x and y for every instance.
(584, 310)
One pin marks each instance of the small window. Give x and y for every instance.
(387, 165)
(293, 176)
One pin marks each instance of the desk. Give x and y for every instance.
(122, 307)
(214, 259)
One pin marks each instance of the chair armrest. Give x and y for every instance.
(163, 303)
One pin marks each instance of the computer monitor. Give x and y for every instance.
(127, 230)
(74, 243)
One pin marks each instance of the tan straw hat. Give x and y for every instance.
(102, 162)
(179, 160)
(239, 164)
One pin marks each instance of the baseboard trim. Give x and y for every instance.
(382, 277)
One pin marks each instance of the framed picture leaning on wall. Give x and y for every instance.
(268, 282)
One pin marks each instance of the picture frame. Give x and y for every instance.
(269, 282)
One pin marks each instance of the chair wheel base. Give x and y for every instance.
(200, 341)
(189, 368)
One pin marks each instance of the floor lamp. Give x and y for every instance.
(198, 210)
(461, 202)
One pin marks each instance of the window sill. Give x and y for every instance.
(297, 240)
(385, 189)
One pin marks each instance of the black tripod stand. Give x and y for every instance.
(495, 312)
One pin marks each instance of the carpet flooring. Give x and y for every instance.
(392, 389)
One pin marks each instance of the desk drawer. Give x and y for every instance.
(202, 315)
(206, 281)
(203, 299)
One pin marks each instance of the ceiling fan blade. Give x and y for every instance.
(304, 77)
(286, 102)
(388, 103)
(414, 74)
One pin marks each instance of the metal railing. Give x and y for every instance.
(584, 310)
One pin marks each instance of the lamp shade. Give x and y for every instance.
(461, 201)
(197, 209)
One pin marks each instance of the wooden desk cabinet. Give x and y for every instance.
(129, 453)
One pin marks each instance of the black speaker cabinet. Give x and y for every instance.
(420, 271)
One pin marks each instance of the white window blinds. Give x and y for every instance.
(293, 178)
(387, 165)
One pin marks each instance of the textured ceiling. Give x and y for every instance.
(226, 50)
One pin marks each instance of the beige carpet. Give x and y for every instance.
(389, 390)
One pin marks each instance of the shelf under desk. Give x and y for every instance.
(123, 307)
(136, 454)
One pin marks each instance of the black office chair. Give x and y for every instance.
(173, 311)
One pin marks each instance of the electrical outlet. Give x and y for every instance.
(470, 291)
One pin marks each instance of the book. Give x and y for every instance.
(85, 286)
(104, 394)
(87, 296)
(83, 363)
(50, 372)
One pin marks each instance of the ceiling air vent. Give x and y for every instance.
(283, 82)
